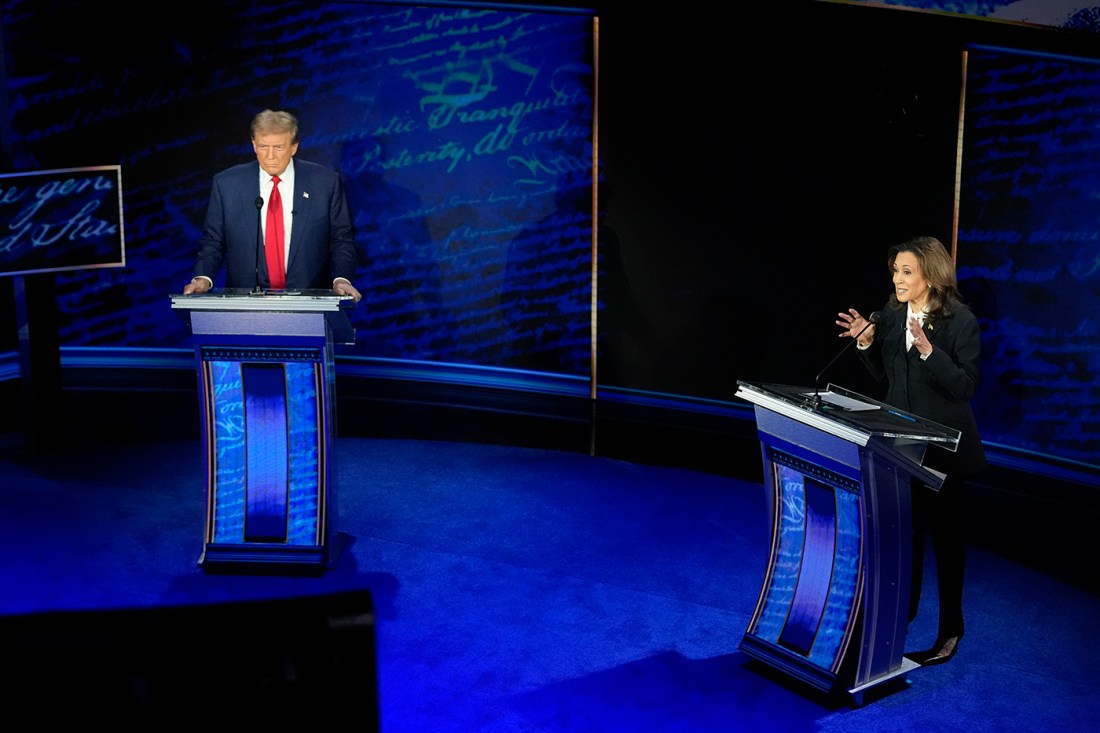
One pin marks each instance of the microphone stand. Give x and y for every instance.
(816, 401)
(259, 244)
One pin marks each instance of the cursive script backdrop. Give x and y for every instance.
(67, 219)
(464, 136)
(1029, 247)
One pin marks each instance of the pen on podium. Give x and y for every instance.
(902, 415)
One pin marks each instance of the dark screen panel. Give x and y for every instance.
(464, 136)
(59, 220)
(1075, 15)
(1029, 248)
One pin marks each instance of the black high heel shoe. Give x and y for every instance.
(940, 653)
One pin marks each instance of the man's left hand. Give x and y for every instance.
(343, 287)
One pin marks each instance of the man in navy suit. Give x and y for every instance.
(319, 242)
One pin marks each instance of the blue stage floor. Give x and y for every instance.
(527, 590)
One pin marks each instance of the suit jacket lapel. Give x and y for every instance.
(296, 215)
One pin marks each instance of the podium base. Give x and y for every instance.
(268, 559)
(882, 685)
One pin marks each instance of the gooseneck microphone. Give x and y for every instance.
(259, 242)
(873, 318)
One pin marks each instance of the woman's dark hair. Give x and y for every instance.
(938, 269)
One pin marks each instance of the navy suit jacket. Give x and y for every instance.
(322, 240)
(938, 388)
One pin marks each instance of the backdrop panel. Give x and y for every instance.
(464, 136)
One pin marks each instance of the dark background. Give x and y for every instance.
(755, 169)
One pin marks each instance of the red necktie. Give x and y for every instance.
(273, 238)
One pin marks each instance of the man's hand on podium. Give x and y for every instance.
(197, 286)
(341, 286)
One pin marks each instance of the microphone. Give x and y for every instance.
(873, 318)
(259, 243)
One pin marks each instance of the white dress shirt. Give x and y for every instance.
(908, 334)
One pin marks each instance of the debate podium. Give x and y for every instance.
(834, 604)
(266, 392)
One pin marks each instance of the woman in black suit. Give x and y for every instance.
(926, 345)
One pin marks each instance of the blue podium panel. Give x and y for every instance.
(833, 607)
(810, 602)
(266, 380)
(266, 447)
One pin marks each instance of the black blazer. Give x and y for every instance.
(322, 241)
(938, 388)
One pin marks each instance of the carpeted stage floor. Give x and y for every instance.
(513, 589)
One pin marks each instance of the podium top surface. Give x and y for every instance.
(848, 414)
(299, 301)
(269, 313)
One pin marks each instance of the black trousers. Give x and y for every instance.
(938, 516)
